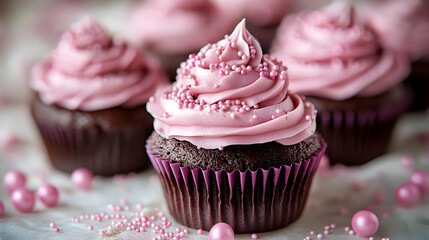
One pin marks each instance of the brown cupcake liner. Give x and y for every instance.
(104, 152)
(418, 81)
(357, 137)
(251, 201)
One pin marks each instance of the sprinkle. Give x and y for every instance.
(57, 230)
(200, 231)
(254, 236)
(90, 228)
(319, 236)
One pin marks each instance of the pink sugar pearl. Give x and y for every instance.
(13, 180)
(82, 178)
(23, 200)
(48, 195)
(365, 223)
(407, 195)
(1, 208)
(421, 180)
(221, 231)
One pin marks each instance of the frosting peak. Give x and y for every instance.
(230, 93)
(89, 70)
(331, 54)
(87, 34)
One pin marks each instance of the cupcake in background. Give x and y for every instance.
(263, 17)
(90, 101)
(403, 26)
(231, 143)
(353, 82)
(171, 29)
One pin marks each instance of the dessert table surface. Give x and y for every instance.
(28, 33)
(336, 194)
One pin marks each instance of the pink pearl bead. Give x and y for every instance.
(407, 195)
(365, 223)
(1, 208)
(48, 195)
(421, 180)
(82, 178)
(23, 200)
(221, 231)
(14, 180)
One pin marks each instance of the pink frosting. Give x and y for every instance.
(331, 54)
(402, 25)
(229, 94)
(89, 70)
(261, 13)
(180, 26)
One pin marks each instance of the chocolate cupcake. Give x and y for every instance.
(353, 82)
(90, 101)
(402, 26)
(231, 143)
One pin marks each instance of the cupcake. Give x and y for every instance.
(172, 29)
(230, 142)
(90, 101)
(353, 82)
(403, 26)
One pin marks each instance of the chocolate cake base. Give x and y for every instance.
(418, 81)
(107, 142)
(241, 157)
(358, 130)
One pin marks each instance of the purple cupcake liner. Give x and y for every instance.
(358, 137)
(251, 201)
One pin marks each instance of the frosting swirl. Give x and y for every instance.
(401, 25)
(331, 54)
(230, 94)
(180, 26)
(89, 70)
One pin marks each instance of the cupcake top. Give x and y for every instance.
(231, 94)
(331, 54)
(260, 13)
(403, 25)
(89, 70)
(179, 26)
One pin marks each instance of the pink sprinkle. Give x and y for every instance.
(351, 232)
(52, 225)
(200, 231)
(347, 229)
(312, 232)
(326, 232)
(90, 228)
(57, 230)
(102, 233)
(407, 161)
(333, 225)
(186, 231)
(254, 236)
(319, 236)
(273, 116)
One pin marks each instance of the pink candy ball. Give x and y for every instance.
(221, 231)
(48, 195)
(14, 180)
(365, 223)
(23, 200)
(1, 208)
(421, 180)
(407, 195)
(82, 178)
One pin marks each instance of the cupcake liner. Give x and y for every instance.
(357, 137)
(250, 201)
(104, 152)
